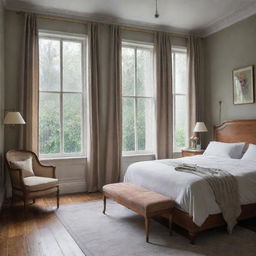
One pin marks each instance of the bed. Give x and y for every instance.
(196, 209)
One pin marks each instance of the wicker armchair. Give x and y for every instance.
(41, 183)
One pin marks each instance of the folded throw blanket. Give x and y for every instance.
(224, 187)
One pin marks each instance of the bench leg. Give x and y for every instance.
(58, 198)
(147, 222)
(104, 204)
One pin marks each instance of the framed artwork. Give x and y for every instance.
(243, 85)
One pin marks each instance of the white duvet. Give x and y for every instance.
(191, 193)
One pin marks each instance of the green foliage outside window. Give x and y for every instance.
(138, 113)
(60, 107)
(180, 138)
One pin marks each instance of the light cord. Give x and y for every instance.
(156, 14)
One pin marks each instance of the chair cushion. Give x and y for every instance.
(25, 166)
(36, 183)
(138, 197)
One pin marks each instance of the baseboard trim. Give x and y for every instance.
(69, 187)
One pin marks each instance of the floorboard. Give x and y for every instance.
(38, 231)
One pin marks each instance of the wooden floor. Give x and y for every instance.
(39, 231)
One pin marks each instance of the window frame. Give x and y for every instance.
(70, 37)
(179, 49)
(141, 45)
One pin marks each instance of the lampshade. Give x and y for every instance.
(200, 127)
(14, 118)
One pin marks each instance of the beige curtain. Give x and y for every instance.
(93, 177)
(104, 157)
(29, 86)
(195, 92)
(113, 144)
(164, 95)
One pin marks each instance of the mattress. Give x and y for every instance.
(191, 193)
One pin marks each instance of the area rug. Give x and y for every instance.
(121, 233)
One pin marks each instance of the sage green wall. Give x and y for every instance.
(1, 100)
(13, 47)
(226, 50)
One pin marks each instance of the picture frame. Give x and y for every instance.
(243, 85)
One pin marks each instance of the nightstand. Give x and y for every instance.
(191, 152)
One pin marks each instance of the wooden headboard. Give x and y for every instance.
(236, 131)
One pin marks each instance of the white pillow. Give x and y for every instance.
(25, 166)
(227, 150)
(250, 153)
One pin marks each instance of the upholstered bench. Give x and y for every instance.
(144, 202)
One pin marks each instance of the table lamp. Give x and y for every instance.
(13, 118)
(200, 127)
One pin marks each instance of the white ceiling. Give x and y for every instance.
(200, 16)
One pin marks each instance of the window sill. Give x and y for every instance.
(85, 157)
(138, 155)
(62, 158)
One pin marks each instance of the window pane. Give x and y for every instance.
(72, 122)
(49, 119)
(128, 71)
(180, 128)
(49, 59)
(72, 66)
(128, 124)
(180, 72)
(145, 124)
(144, 72)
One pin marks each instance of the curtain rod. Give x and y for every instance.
(122, 27)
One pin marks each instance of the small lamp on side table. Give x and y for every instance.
(200, 127)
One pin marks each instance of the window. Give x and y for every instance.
(61, 95)
(180, 98)
(138, 98)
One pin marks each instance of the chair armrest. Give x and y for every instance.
(42, 170)
(16, 177)
(45, 170)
